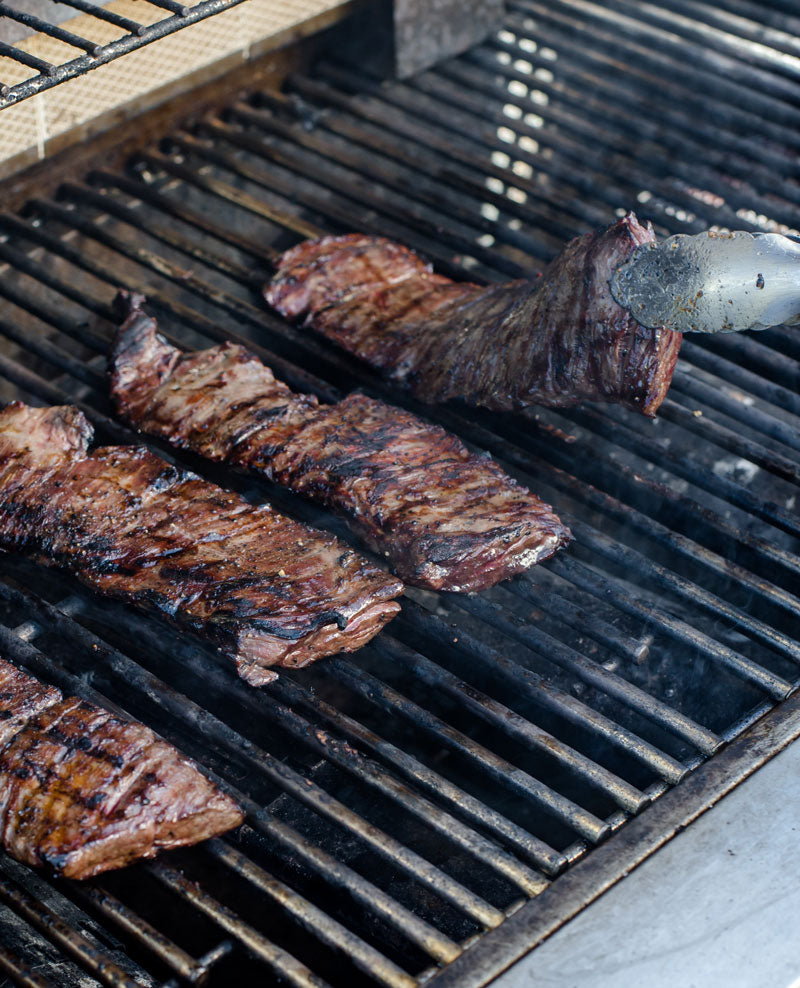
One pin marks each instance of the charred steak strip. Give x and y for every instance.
(268, 590)
(83, 791)
(555, 341)
(444, 517)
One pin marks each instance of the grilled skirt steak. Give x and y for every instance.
(83, 791)
(557, 341)
(445, 518)
(268, 590)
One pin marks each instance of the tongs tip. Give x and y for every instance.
(712, 282)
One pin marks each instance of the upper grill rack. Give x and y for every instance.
(46, 74)
(403, 802)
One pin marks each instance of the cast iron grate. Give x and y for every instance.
(403, 803)
(82, 54)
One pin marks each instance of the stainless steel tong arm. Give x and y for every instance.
(712, 282)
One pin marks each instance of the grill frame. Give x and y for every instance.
(581, 881)
(611, 863)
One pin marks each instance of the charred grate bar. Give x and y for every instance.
(94, 55)
(478, 765)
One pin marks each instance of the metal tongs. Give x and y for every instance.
(712, 282)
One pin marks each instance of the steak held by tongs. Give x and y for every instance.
(557, 340)
(82, 791)
(441, 516)
(264, 588)
(602, 323)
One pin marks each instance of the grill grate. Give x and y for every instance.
(404, 803)
(133, 35)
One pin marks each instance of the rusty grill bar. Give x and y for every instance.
(403, 803)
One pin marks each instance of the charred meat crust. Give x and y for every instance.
(267, 590)
(443, 517)
(557, 341)
(82, 791)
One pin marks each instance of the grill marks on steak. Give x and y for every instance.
(445, 518)
(555, 341)
(267, 590)
(83, 791)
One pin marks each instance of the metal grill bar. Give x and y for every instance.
(636, 563)
(441, 200)
(503, 772)
(443, 103)
(754, 81)
(53, 354)
(176, 8)
(578, 70)
(136, 36)
(567, 706)
(739, 103)
(341, 753)
(17, 969)
(313, 918)
(109, 16)
(679, 544)
(456, 147)
(166, 235)
(29, 20)
(64, 936)
(460, 801)
(360, 190)
(586, 446)
(593, 674)
(573, 130)
(759, 358)
(438, 946)
(507, 720)
(614, 590)
(283, 182)
(784, 430)
(283, 964)
(139, 190)
(9, 51)
(691, 468)
(169, 953)
(695, 28)
(224, 191)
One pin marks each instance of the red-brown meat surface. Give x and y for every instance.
(83, 791)
(268, 590)
(443, 517)
(558, 340)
